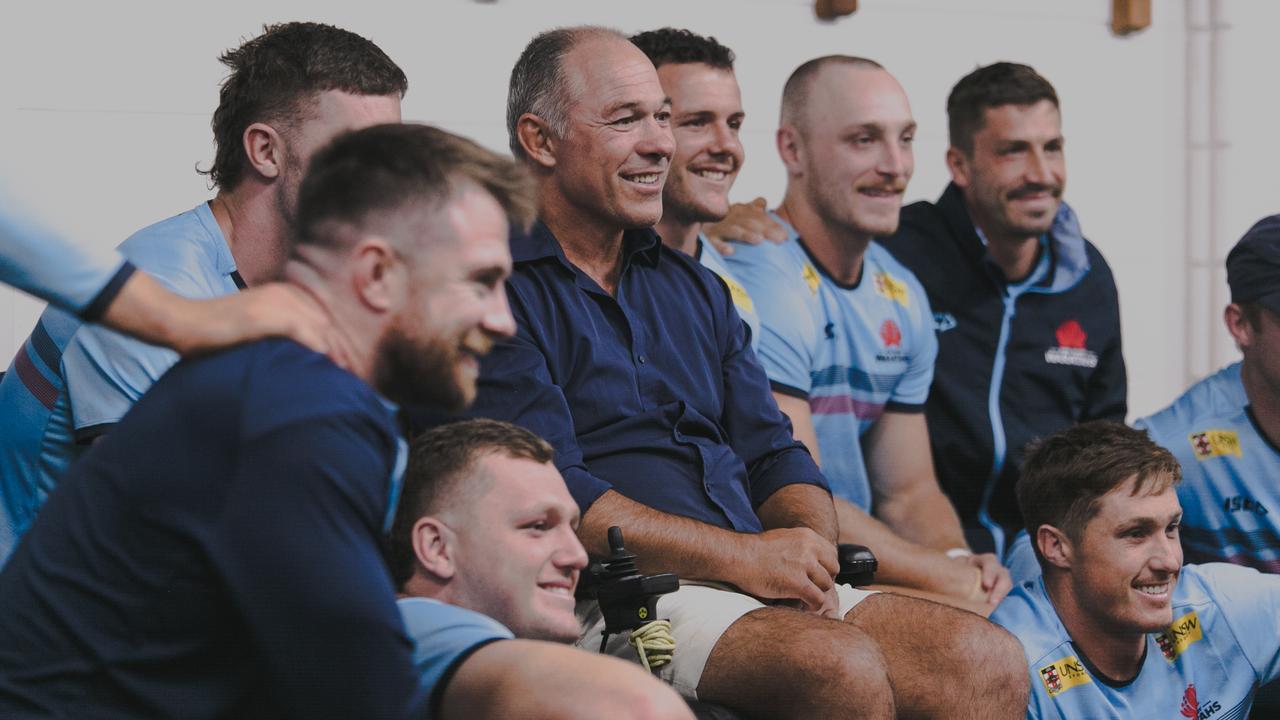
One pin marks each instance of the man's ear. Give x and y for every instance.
(379, 277)
(1238, 325)
(537, 140)
(958, 164)
(788, 141)
(433, 548)
(264, 148)
(1055, 547)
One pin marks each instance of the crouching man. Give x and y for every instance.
(486, 525)
(1116, 626)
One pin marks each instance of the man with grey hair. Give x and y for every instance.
(630, 359)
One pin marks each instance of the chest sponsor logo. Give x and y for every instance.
(1071, 349)
(1191, 708)
(891, 342)
(1064, 675)
(1213, 443)
(943, 321)
(811, 278)
(1182, 634)
(740, 296)
(1243, 503)
(890, 287)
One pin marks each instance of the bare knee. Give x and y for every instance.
(859, 677)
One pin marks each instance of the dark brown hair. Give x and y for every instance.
(275, 76)
(439, 476)
(1065, 475)
(1002, 83)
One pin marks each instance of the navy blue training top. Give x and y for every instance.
(217, 555)
(654, 393)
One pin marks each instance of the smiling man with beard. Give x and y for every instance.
(1026, 309)
(1117, 627)
(218, 555)
(290, 90)
(847, 336)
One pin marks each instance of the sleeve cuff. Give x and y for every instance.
(107, 295)
(89, 433)
(583, 486)
(901, 407)
(788, 390)
(794, 467)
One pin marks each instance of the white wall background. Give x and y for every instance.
(104, 112)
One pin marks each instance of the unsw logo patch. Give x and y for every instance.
(1212, 443)
(1071, 348)
(1063, 675)
(890, 287)
(1182, 634)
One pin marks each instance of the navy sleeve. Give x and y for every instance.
(298, 545)
(516, 385)
(1107, 390)
(757, 429)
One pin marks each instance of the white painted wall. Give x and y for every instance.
(104, 109)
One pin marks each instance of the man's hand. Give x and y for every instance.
(790, 564)
(748, 223)
(274, 309)
(995, 582)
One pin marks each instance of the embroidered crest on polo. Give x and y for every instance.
(1071, 349)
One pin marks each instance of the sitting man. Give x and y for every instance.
(1225, 429)
(290, 91)
(218, 555)
(847, 336)
(630, 359)
(1117, 627)
(485, 523)
(706, 116)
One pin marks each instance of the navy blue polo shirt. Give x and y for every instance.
(654, 392)
(217, 554)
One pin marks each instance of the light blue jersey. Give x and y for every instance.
(852, 351)
(444, 635)
(43, 263)
(712, 260)
(1224, 642)
(70, 381)
(1230, 490)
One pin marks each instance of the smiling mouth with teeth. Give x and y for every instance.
(1158, 589)
(646, 178)
(711, 174)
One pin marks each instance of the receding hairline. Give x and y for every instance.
(797, 91)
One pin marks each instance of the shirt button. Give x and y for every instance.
(642, 359)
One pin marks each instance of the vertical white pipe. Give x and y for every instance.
(1199, 298)
(1222, 348)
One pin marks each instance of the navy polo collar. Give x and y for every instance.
(539, 244)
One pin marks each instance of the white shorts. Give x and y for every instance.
(699, 614)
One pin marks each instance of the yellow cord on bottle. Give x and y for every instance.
(654, 643)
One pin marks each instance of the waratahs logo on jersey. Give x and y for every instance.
(1192, 709)
(1072, 347)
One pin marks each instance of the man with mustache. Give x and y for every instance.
(219, 554)
(1116, 626)
(1026, 309)
(630, 359)
(290, 90)
(847, 337)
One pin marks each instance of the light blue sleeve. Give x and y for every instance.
(1250, 603)
(443, 635)
(913, 388)
(106, 373)
(787, 328)
(39, 261)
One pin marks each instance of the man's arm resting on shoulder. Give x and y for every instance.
(529, 678)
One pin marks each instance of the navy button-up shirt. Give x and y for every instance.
(654, 393)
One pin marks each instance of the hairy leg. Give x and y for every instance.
(783, 663)
(943, 662)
